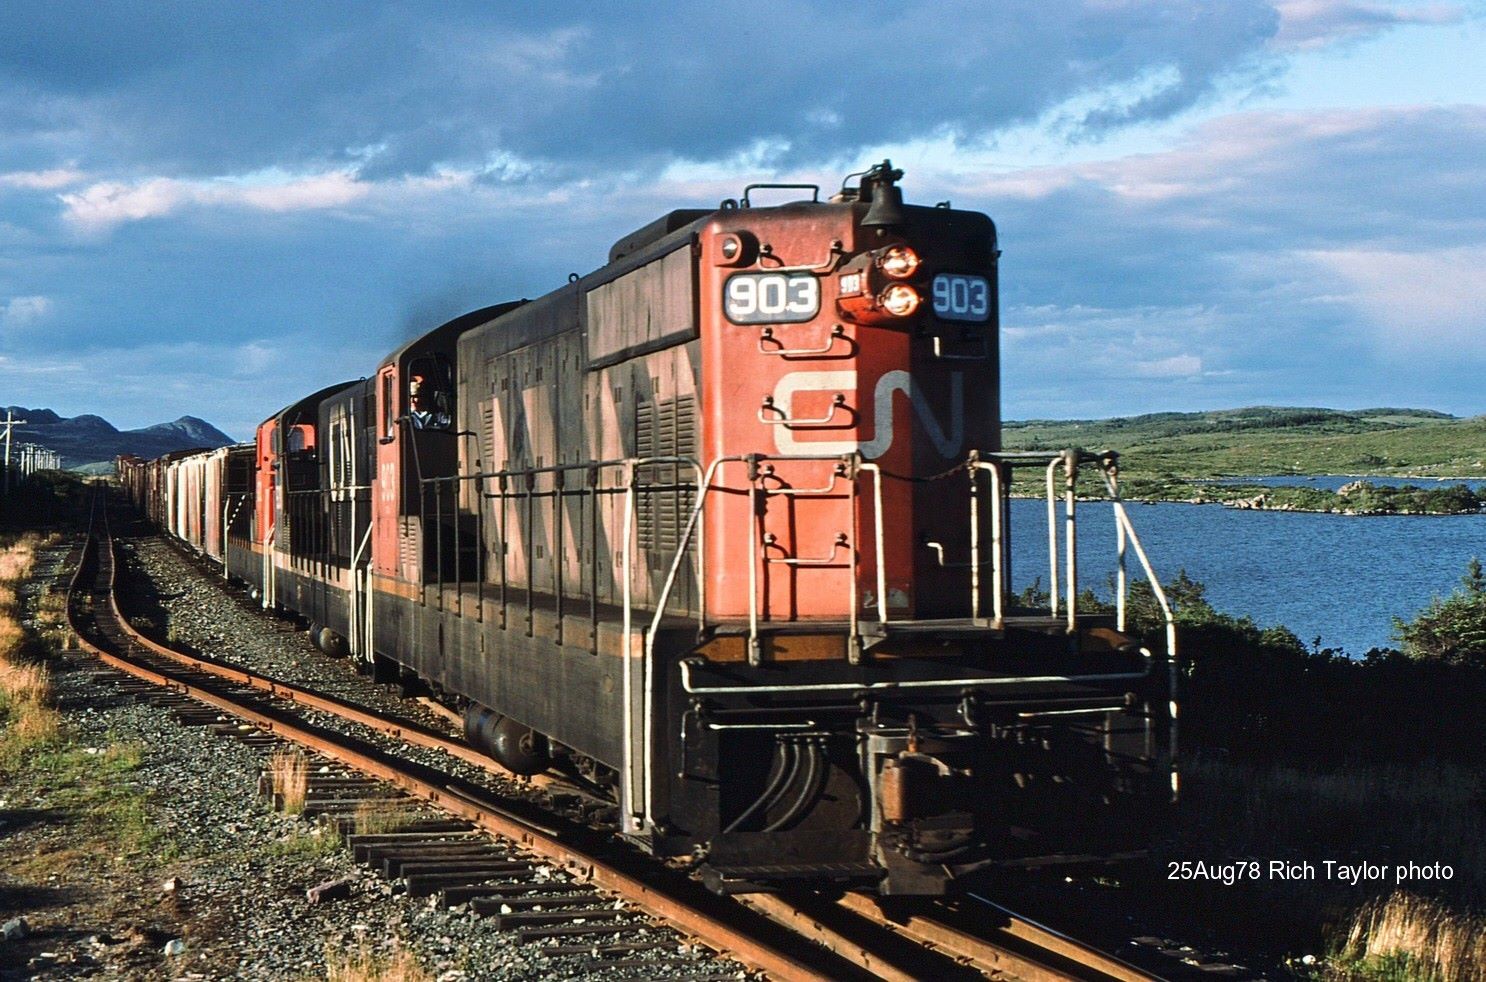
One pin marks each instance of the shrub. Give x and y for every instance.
(1450, 631)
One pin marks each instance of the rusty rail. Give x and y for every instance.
(858, 933)
(1007, 951)
(653, 898)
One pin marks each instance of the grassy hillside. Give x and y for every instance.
(1269, 440)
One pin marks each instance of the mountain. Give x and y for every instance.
(90, 439)
(193, 430)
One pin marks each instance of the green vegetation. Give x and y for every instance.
(43, 500)
(1267, 440)
(1300, 754)
(1176, 456)
(308, 843)
(1356, 498)
(90, 786)
(93, 788)
(1453, 630)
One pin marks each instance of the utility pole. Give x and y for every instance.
(10, 423)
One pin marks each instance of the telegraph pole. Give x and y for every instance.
(10, 424)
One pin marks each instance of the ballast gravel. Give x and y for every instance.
(225, 897)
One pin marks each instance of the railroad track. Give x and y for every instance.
(550, 881)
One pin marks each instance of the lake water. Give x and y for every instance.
(1341, 578)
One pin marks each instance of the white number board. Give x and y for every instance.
(770, 298)
(961, 298)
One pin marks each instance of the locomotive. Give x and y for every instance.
(723, 528)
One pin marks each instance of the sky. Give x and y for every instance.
(212, 209)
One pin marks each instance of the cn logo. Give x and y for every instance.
(948, 443)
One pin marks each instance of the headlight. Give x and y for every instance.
(898, 262)
(899, 299)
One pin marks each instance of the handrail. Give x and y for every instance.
(767, 334)
(1063, 575)
(1127, 530)
(784, 419)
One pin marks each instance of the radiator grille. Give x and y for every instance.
(667, 491)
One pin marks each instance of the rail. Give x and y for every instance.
(103, 632)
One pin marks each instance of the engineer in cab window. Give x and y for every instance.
(425, 405)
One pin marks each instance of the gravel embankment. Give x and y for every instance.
(196, 613)
(239, 904)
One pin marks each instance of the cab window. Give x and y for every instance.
(430, 392)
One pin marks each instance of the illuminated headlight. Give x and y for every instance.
(899, 299)
(898, 262)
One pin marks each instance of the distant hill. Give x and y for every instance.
(1273, 440)
(89, 439)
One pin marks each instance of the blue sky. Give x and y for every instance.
(211, 209)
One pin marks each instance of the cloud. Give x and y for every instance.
(24, 311)
(253, 359)
(107, 203)
(1309, 24)
(1427, 304)
(1308, 257)
(1177, 366)
(390, 89)
(151, 382)
(42, 180)
(337, 185)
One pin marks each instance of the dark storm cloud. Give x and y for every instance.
(196, 89)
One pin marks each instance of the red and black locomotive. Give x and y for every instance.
(722, 526)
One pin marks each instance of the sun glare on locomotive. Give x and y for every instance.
(721, 529)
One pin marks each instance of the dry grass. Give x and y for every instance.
(36, 726)
(26, 695)
(365, 965)
(1409, 937)
(20, 682)
(51, 608)
(377, 818)
(1383, 814)
(17, 560)
(289, 771)
(12, 637)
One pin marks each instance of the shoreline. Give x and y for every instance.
(1359, 498)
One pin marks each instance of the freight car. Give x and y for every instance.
(724, 527)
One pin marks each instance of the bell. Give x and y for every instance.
(886, 208)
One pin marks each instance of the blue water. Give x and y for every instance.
(1337, 577)
(1331, 482)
